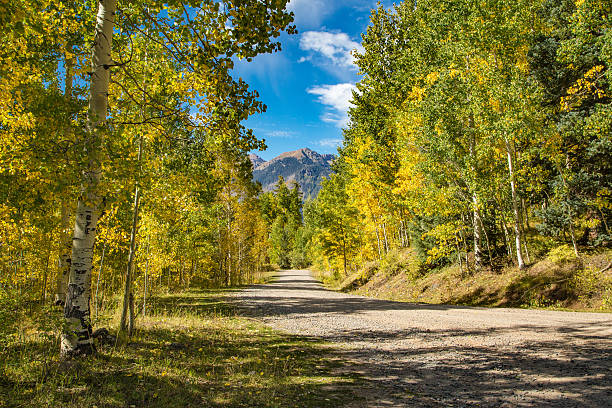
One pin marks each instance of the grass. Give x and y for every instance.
(190, 350)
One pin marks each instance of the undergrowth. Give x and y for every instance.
(559, 280)
(191, 349)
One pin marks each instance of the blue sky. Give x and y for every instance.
(307, 86)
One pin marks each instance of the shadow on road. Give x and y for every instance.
(504, 364)
(536, 374)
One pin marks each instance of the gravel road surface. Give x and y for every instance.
(436, 356)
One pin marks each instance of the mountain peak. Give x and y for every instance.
(256, 160)
(300, 154)
(305, 166)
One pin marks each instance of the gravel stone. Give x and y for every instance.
(437, 355)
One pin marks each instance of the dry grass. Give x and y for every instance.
(554, 282)
(191, 350)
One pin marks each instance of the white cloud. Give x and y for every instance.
(330, 143)
(281, 134)
(337, 99)
(334, 47)
(309, 13)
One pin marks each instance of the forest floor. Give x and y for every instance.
(439, 355)
(190, 350)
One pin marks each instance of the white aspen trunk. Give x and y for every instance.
(526, 250)
(475, 213)
(240, 272)
(459, 255)
(525, 227)
(378, 241)
(76, 337)
(573, 236)
(127, 290)
(228, 283)
(515, 209)
(229, 244)
(132, 316)
(384, 228)
(465, 247)
(477, 232)
(128, 298)
(146, 280)
(404, 232)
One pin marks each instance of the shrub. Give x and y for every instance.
(562, 254)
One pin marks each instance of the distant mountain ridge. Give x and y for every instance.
(305, 166)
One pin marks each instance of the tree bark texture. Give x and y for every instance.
(76, 337)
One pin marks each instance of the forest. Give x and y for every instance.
(124, 160)
(479, 137)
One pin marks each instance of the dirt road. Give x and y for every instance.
(437, 356)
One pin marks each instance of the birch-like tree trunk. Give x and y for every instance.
(515, 208)
(146, 281)
(378, 240)
(76, 337)
(477, 224)
(127, 292)
(343, 249)
(384, 229)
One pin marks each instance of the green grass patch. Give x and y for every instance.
(190, 350)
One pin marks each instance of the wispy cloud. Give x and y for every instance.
(312, 13)
(337, 100)
(265, 68)
(330, 143)
(309, 13)
(335, 48)
(281, 134)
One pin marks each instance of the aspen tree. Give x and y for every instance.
(76, 338)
